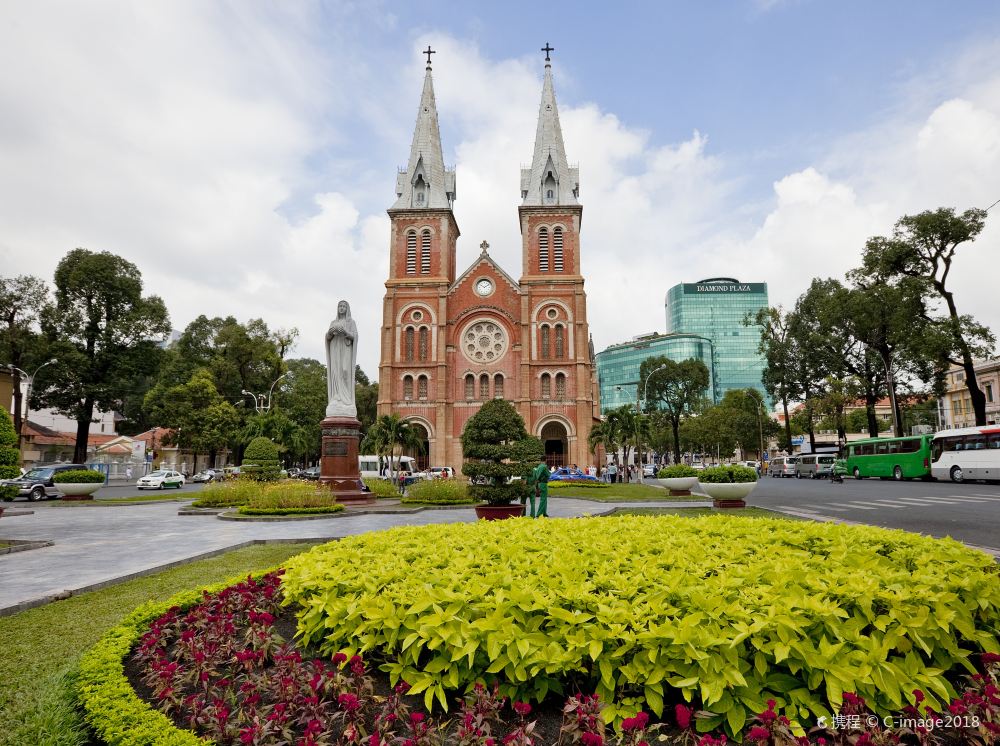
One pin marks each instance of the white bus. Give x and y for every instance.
(966, 453)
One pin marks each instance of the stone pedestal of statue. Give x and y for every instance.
(338, 470)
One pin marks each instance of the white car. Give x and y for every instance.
(157, 480)
(440, 472)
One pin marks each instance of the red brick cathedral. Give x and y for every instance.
(451, 340)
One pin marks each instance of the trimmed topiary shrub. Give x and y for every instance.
(677, 471)
(10, 457)
(727, 474)
(438, 492)
(723, 612)
(260, 461)
(498, 448)
(78, 476)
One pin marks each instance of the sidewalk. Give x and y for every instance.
(93, 547)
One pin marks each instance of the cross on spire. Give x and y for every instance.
(548, 49)
(430, 51)
(484, 246)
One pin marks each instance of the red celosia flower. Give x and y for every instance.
(338, 659)
(417, 717)
(683, 715)
(757, 733)
(591, 739)
(522, 708)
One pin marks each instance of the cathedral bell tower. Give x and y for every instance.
(412, 372)
(558, 370)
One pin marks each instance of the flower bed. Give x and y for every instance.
(381, 487)
(216, 662)
(439, 492)
(645, 611)
(565, 484)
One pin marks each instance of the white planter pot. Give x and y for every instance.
(728, 491)
(680, 484)
(74, 489)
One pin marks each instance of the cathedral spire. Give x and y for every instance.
(426, 183)
(550, 180)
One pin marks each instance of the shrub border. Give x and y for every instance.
(317, 510)
(110, 705)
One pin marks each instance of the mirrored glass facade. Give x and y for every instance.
(618, 365)
(715, 308)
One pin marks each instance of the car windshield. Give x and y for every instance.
(157, 474)
(39, 474)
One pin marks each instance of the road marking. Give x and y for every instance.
(928, 500)
(821, 507)
(988, 497)
(968, 499)
(855, 506)
(892, 504)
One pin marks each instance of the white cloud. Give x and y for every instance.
(186, 139)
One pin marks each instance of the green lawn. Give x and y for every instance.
(126, 500)
(5, 544)
(621, 492)
(40, 647)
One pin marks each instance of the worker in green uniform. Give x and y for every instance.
(538, 485)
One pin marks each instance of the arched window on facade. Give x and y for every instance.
(557, 250)
(425, 252)
(498, 386)
(484, 386)
(407, 387)
(411, 252)
(408, 345)
(546, 386)
(560, 340)
(560, 386)
(543, 250)
(423, 345)
(422, 387)
(470, 386)
(546, 348)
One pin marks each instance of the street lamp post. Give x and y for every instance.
(638, 408)
(27, 399)
(262, 402)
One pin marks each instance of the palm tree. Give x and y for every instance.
(602, 435)
(389, 432)
(626, 424)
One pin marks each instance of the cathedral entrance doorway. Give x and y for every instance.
(422, 454)
(556, 444)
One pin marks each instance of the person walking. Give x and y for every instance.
(128, 473)
(612, 472)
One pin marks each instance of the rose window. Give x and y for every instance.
(484, 342)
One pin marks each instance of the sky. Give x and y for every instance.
(243, 154)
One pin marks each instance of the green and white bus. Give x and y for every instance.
(890, 458)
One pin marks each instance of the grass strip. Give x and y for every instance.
(622, 493)
(41, 647)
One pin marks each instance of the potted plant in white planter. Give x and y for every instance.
(728, 485)
(78, 484)
(680, 479)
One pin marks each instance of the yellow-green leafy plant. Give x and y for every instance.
(721, 612)
(381, 487)
(439, 492)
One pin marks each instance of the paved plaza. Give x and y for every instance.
(93, 546)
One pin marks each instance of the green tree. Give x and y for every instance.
(675, 388)
(922, 247)
(603, 435)
(365, 398)
(626, 425)
(777, 345)
(387, 435)
(302, 397)
(857, 421)
(199, 418)
(10, 457)
(497, 448)
(103, 334)
(22, 300)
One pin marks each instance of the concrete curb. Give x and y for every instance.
(17, 545)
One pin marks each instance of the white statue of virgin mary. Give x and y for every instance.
(341, 358)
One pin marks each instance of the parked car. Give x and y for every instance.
(207, 475)
(311, 473)
(295, 472)
(814, 466)
(37, 483)
(158, 480)
(649, 470)
(440, 472)
(782, 466)
(569, 474)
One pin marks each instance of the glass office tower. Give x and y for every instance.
(715, 308)
(618, 365)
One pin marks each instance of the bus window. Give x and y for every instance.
(881, 448)
(994, 441)
(975, 443)
(909, 446)
(894, 446)
(866, 449)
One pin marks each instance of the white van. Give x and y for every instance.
(368, 466)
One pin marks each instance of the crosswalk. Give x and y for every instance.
(894, 503)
